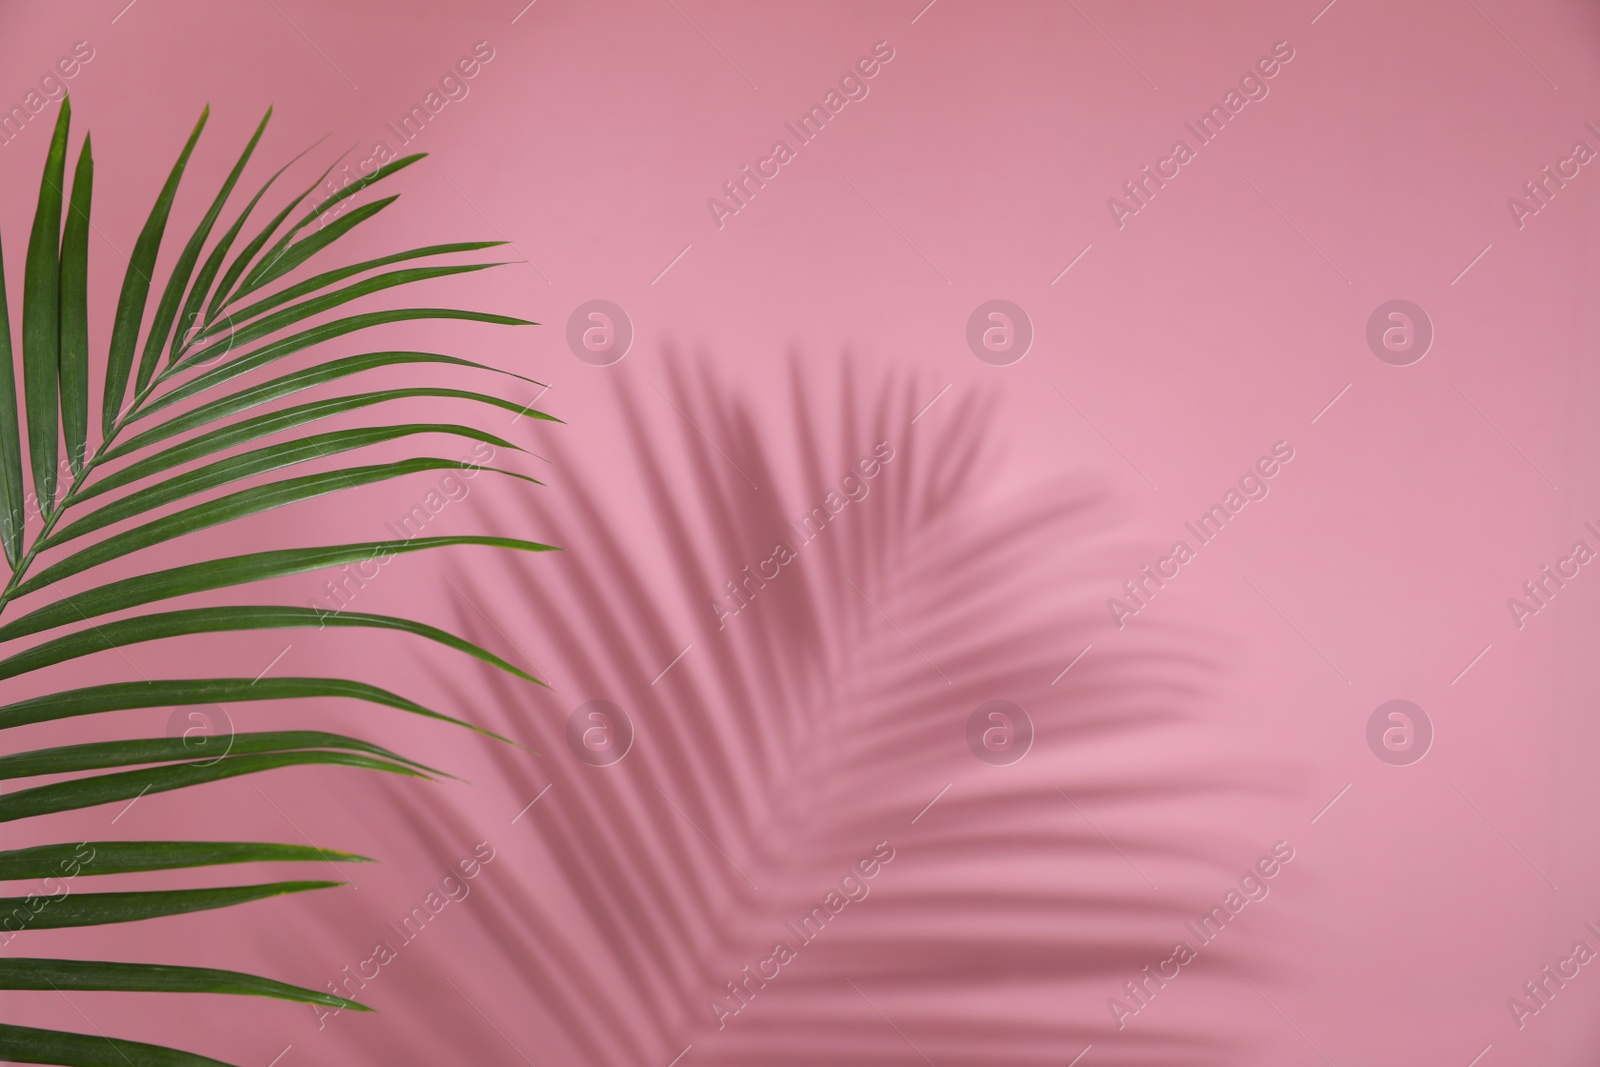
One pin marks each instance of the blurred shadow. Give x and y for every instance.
(828, 714)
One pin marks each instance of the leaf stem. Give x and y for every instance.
(78, 483)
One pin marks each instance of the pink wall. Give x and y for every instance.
(1227, 314)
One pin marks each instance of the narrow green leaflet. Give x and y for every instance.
(339, 274)
(316, 335)
(190, 315)
(136, 287)
(25, 1044)
(101, 755)
(167, 313)
(188, 692)
(248, 254)
(98, 909)
(223, 312)
(292, 256)
(296, 313)
(266, 270)
(280, 419)
(123, 632)
(230, 571)
(248, 464)
(288, 384)
(74, 368)
(41, 324)
(237, 505)
(127, 785)
(178, 281)
(154, 978)
(12, 516)
(124, 857)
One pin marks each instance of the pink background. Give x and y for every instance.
(1224, 317)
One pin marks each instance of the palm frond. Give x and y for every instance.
(222, 314)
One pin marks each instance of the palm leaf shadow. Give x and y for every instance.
(821, 719)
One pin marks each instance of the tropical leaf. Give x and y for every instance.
(272, 265)
(236, 433)
(154, 978)
(185, 692)
(75, 312)
(126, 857)
(26, 1044)
(136, 287)
(230, 571)
(327, 278)
(247, 255)
(100, 789)
(99, 909)
(261, 461)
(41, 324)
(98, 755)
(288, 384)
(12, 515)
(187, 347)
(225, 509)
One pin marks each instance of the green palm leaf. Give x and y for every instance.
(41, 326)
(136, 287)
(339, 274)
(75, 312)
(12, 515)
(100, 789)
(272, 265)
(154, 978)
(126, 857)
(287, 385)
(261, 461)
(250, 501)
(99, 909)
(219, 253)
(188, 692)
(178, 280)
(327, 331)
(124, 632)
(242, 261)
(237, 433)
(230, 571)
(25, 1044)
(223, 312)
(99, 755)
